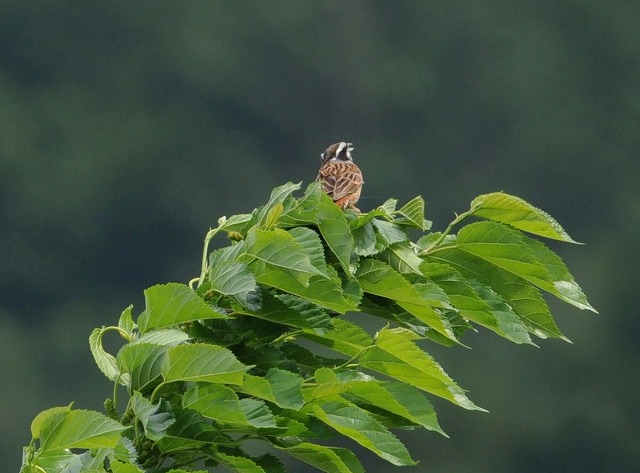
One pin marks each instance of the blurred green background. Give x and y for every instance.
(128, 128)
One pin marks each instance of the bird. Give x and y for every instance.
(340, 177)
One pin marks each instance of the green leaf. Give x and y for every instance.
(216, 402)
(238, 464)
(398, 357)
(164, 337)
(270, 463)
(327, 385)
(93, 460)
(328, 459)
(501, 246)
(389, 206)
(290, 310)
(155, 418)
(375, 277)
(78, 429)
(235, 223)
(55, 461)
(335, 230)
(280, 387)
(402, 258)
(412, 214)
(477, 303)
(561, 282)
(303, 210)
(143, 363)
(201, 362)
(310, 241)
(226, 254)
(346, 337)
(106, 362)
(325, 292)
(120, 467)
(391, 396)
(278, 249)
(360, 426)
(389, 233)
(365, 242)
(173, 304)
(400, 399)
(278, 196)
(258, 414)
(236, 280)
(526, 258)
(522, 296)
(520, 214)
(362, 219)
(315, 317)
(509, 324)
(51, 416)
(190, 432)
(286, 388)
(125, 322)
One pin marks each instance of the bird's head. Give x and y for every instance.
(337, 152)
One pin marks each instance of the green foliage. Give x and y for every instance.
(212, 365)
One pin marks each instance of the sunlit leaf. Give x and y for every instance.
(202, 362)
(79, 429)
(360, 426)
(190, 431)
(365, 242)
(121, 467)
(55, 461)
(238, 464)
(328, 459)
(561, 282)
(172, 304)
(290, 310)
(323, 291)
(346, 337)
(125, 322)
(525, 300)
(303, 210)
(401, 359)
(402, 258)
(106, 361)
(278, 249)
(520, 214)
(398, 398)
(412, 214)
(258, 414)
(143, 363)
(477, 303)
(335, 230)
(234, 279)
(389, 233)
(312, 244)
(278, 195)
(216, 402)
(376, 277)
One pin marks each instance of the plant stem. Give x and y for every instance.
(205, 253)
(457, 220)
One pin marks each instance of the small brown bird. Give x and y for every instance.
(341, 178)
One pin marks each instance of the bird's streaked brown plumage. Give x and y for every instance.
(341, 178)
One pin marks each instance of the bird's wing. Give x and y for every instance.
(340, 179)
(347, 183)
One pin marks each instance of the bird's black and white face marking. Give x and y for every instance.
(337, 152)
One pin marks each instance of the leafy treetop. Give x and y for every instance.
(210, 365)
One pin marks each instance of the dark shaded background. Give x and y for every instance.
(128, 128)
